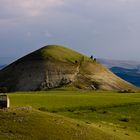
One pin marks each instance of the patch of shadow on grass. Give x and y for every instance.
(124, 119)
(43, 109)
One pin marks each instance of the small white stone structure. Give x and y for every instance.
(4, 101)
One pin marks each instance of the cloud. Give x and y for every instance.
(29, 34)
(48, 34)
(103, 26)
(10, 8)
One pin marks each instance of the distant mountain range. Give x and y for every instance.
(130, 75)
(2, 66)
(120, 63)
(127, 70)
(5, 61)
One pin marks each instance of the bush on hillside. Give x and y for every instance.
(124, 119)
(127, 91)
(91, 57)
(76, 61)
(95, 85)
(3, 90)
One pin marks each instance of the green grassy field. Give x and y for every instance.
(106, 115)
(29, 124)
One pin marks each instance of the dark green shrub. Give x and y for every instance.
(43, 109)
(91, 57)
(3, 90)
(127, 91)
(124, 119)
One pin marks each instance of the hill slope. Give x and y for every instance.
(55, 66)
(25, 123)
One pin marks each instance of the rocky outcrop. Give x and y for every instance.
(60, 75)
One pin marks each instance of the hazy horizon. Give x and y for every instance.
(8, 60)
(106, 29)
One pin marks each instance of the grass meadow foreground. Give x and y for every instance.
(71, 115)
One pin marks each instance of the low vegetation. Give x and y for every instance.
(127, 91)
(106, 115)
(25, 123)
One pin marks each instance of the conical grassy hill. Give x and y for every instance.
(55, 66)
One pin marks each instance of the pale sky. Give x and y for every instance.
(105, 28)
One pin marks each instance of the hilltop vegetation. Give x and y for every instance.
(61, 53)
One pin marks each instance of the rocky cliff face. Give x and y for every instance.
(56, 66)
(58, 74)
(35, 75)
